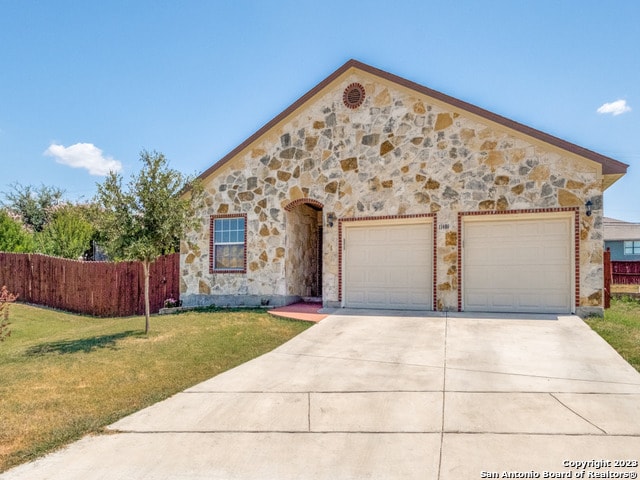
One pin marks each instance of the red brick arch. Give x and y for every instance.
(303, 201)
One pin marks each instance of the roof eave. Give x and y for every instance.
(610, 179)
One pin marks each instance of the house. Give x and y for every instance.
(373, 191)
(622, 239)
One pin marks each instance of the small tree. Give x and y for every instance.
(68, 234)
(33, 204)
(147, 219)
(14, 237)
(5, 299)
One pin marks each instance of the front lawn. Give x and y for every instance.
(621, 328)
(63, 376)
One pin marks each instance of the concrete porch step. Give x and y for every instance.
(312, 299)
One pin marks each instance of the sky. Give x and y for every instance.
(85, 86)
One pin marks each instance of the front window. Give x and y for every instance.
(632, 247)
(228, 244)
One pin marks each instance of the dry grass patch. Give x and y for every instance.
(63, 376)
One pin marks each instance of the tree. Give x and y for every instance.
(69, 232)
(147, 219)
(13, 236)
(34, 205)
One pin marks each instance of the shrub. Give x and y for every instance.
(172, 303)
(5, 299)
(14, 237)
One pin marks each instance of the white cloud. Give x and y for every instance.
(84, 155)
(615, 108)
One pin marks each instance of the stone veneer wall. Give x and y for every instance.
(397, 154)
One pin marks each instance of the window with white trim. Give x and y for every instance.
(228, 244)
(632, 247)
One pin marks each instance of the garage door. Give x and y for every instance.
(518, 264)
(388, 265)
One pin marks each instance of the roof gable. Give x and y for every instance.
(611, 169)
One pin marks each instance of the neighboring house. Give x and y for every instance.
(622, 239)
(373, 191)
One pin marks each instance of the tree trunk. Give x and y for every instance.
(145, 267)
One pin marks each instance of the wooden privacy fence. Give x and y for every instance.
(103, 289)
(607, 279)
(625, 273)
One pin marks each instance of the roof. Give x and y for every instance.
(617, 230)
(611, 169)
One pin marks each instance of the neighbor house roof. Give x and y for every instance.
(616, 230)
(612, 169)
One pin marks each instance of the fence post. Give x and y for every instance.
(30, 279)
(607, 279)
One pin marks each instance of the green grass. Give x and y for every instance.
(63, 376)
(621, 328)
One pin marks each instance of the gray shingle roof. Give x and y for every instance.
(620, 230)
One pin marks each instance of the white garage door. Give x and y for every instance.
(388, 265)
(518, 265)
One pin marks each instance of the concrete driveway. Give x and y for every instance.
(386, 396)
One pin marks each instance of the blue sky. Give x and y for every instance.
(86, 85)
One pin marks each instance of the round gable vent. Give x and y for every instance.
(353, 95)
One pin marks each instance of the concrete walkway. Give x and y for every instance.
(386, 396)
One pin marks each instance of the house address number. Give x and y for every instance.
(443, 226)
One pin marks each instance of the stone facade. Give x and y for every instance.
(399, 153)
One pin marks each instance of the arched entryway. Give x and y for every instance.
(303, 258)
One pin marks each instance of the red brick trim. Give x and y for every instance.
(303, 201)
(212, 223)
(576, 234)
(576, 244)
(390, 217)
